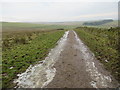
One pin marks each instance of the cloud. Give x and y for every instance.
(91, 16)
(96, 15)
(60, 0)
(57, 11)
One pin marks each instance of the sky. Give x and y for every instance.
(57, 10)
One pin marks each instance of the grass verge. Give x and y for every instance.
(18, 57)
(104, 44)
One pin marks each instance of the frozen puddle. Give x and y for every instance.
(99, 80)
(39, 75)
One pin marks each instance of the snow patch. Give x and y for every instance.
(99, 80)
(40, 75)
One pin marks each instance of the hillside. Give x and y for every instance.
(95, 23)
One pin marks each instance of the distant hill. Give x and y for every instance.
(96, 23)
(16, 26)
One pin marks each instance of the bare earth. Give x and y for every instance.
(71, 70)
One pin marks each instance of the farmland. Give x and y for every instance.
(25, 44)
(105, 25)
(98, 22)
(14, 26)
(23, 48)
(104, 44)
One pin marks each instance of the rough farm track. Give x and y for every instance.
(74, 67)
(73, 71)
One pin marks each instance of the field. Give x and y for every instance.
(95, 23)
(104, 44)
(110, 24)
(23, 48)
(36, 26)
(105, 25)
(25, 44)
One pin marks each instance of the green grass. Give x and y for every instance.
(104, 44)
(107, 25)
(24, 44)
(7, 26)
(110, 24)
(20, 57)
(11, 39)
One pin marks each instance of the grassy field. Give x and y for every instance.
(22, 48)
(24, 44)
(105, 46)
(14, 26)
(110, 24)
(106, 25)
(30, 26)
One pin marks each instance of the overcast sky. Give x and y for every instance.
(58, 10)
